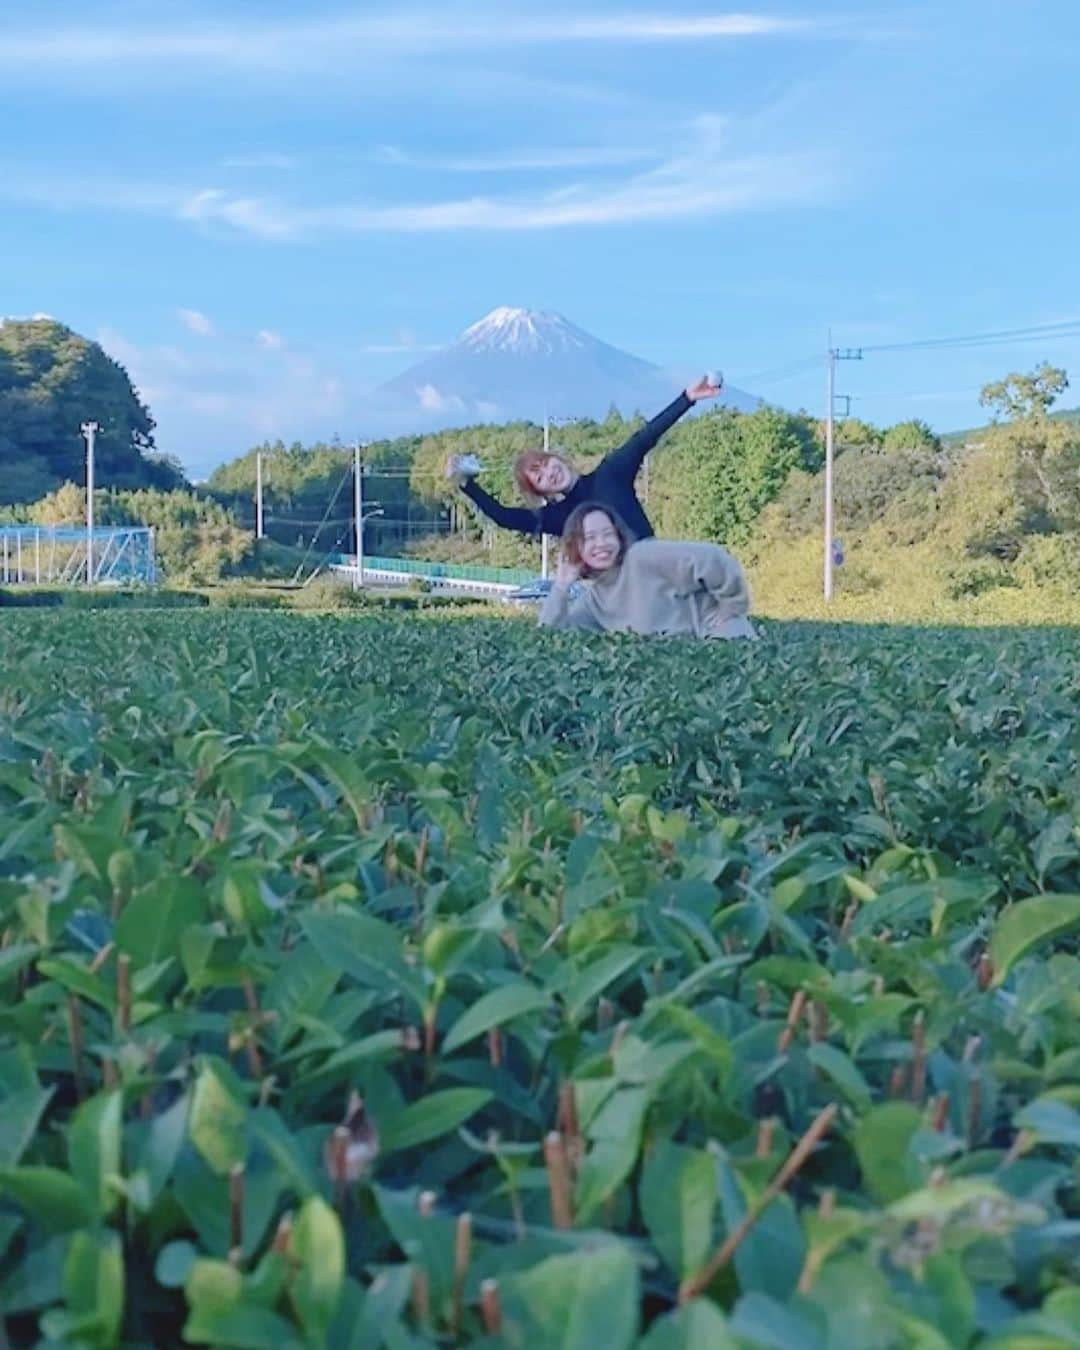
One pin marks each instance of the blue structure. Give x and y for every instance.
(69, 555)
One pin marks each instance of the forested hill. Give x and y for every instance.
(51, 381)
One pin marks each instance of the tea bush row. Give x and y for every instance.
(371, 982)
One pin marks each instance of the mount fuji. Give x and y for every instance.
(522, 364)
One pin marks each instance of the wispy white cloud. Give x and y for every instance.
(265, 337)
(152, 369)
(402, 343)
(429, 399)
(247, 215)
(511, 161)
(196, 322)
(432, 401)
(270, 46)
(633, 27)
(228, 394)
(76, 192)
(705, 179)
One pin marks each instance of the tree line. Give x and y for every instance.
(749, 480)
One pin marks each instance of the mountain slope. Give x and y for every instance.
(520, 363)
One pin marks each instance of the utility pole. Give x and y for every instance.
(833, 354)
(258, 495)
(543, 536)
(89, 431)
(830, 381)
(358, 517)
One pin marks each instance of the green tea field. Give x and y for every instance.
(428, 982)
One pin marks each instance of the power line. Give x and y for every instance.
(1032, 333)
(326, 515)
(273, 519)
(776, 373)
(993, 337)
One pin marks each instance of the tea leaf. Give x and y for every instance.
(433, 1116)
(1024, 926)
(574, 1302)
(156, 917)
(217, 1121)
(495, 1009)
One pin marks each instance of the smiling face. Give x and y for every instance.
(551, 476)
(600, 546)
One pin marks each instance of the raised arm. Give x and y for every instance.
(626, 460)
(518, 518)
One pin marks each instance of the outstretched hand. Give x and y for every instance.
(705, 388)
(461, 468)
(566, 573)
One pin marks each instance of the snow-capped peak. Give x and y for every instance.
(523, 330)
(520, 364)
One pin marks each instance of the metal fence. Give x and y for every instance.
(516, 576)
(66, 555)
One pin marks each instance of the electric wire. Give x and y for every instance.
(1032, 333)
(329, 507)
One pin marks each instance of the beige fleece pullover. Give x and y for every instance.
(661, 586)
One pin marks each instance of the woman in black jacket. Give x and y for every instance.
(555, 487)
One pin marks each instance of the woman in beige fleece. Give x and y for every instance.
(652, 586)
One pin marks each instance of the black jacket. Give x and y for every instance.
(610, 484)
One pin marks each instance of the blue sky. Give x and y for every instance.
(265, 209)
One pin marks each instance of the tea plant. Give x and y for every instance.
(421, 982)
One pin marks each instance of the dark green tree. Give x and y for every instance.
(913, 434)
(51, 381)
(721, 469)
(852, 433)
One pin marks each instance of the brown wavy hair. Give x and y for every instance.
(574, 534)
(522, 470)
